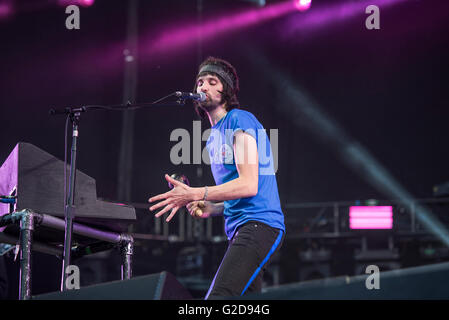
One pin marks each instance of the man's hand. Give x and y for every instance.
(174, 199)
(207, 209)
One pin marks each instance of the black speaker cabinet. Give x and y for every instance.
(417, 283)
(159, 286)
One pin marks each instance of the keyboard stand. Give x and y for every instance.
(30, 220)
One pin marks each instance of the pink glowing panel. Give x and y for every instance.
(302, 5)
(370, 225)
(364, 226)
(370, 217)
(371, 211)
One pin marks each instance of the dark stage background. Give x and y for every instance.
(388, 89)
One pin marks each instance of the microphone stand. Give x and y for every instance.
(69, 207)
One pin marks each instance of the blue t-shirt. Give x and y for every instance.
(265, 206)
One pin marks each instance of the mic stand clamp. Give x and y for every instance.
(181, 101)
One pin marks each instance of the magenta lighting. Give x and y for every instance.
(183, 35)
(83, 3)
(302, 5)
(87, 3)
(370, 217)
(5, 10)
(330, 14)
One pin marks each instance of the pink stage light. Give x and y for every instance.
(5, 10)
(175, 38)
(86, 3)
(302, 5)
(370, 217)
(83, 3)
(375, 225)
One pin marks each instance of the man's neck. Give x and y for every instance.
(216, 114)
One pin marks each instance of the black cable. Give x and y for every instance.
(167, 96)
(121, 107)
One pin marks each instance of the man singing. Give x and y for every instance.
(246, 192)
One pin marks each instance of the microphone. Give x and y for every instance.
(194, 96)
(198, 212)
(182, 178)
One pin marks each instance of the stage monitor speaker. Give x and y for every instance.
(313, 271)
(159, 286)
(417, 283)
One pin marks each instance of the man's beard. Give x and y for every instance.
(210, 105)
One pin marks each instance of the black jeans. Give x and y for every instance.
(248, 254)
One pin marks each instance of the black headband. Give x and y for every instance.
(218, 70)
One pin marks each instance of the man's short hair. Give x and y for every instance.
(227, 75)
